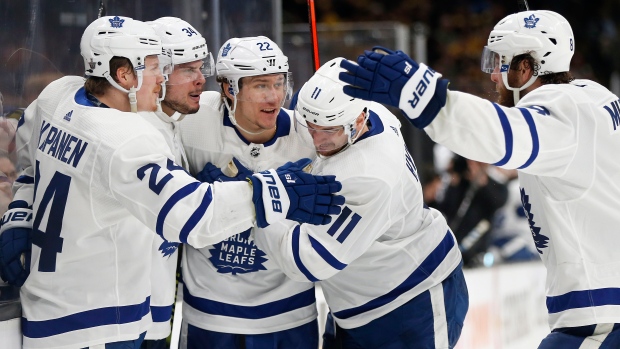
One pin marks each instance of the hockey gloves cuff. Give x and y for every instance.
(15, 245)
(291, 193)
(393, 78)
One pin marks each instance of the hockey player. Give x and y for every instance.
(389, 266)
(235, 296)
(560, 134)
(94, 165)
(187, 51)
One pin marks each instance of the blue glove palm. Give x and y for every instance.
(393, 78)
(291, 193)
(211, 173)
(15, 245)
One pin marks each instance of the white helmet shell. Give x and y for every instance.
(323, 102)
(185, 43)
(545, 34)
(249, 56)
(109, 36)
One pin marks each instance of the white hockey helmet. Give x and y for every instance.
(322, 101)
(185, 44)
(250, 56)
(114, 36)
(546, 35)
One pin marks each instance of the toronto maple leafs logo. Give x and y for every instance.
(226, 49)
(540, 240)
(237, 255)
(530, 22)
(116, 22)
(167, 248)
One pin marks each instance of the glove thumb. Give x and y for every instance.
(240, 168)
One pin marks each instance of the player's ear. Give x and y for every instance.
(125, 77)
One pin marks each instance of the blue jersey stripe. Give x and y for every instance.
(324, 253)
(25, 179)
(583, 299)
(196, 216)
(297, 258)
(262, 311)
(85, 319)
(173, 200)
(339, 221)
(349, 228)
(535, 142)
(503, 119)
(426, 268)
(161, 314)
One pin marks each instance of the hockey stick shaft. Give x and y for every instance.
(523, 5)
(313, 36)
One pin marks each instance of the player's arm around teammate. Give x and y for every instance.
(386, 253)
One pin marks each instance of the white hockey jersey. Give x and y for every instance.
(93, 169)
(562, 140)
(165, 253)
(233, 286)
(385, 248)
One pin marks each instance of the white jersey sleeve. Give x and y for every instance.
(537, 137)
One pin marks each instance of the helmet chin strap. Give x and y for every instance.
(233, 120)
(516, 90)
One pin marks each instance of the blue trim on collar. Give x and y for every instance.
(86, 99)
(283, 127)
(375, 126)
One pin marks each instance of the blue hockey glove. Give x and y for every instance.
(15, 244)
(211, 173)
(393, 78)
(291, 193)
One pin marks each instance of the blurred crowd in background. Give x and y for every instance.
(482, 203)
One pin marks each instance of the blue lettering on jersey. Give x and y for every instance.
(540, 240)
(540, 109)
(614, 111)
(237, 255)
(61, 144)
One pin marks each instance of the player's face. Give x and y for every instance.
(151, 85)
(183, 88)
(259, 101)
(328, 140)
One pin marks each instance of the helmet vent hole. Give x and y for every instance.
(542, 62)
(332, 64)
(553, 41)
(544, 32)
(331, 100)
(546, 54)
(169, 33)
